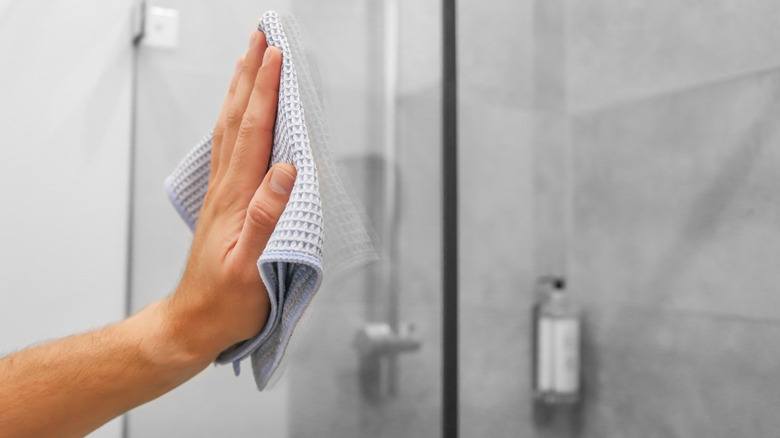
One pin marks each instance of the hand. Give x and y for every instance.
(221, 299)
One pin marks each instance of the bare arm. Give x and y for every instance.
(72, 386)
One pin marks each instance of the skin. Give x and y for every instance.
(72, 386)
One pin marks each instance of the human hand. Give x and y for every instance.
(221, 298)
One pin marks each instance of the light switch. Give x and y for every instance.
(161, 29)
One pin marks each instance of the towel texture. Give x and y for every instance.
(293, 261)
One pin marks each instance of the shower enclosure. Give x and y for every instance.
(367, 359)
(629, 147)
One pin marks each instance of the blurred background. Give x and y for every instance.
(629, 147)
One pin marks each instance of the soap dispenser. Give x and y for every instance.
(556, 331)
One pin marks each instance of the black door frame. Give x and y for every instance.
(449, 223)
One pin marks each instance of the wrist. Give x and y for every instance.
(167, 339)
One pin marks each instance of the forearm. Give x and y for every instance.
(72, 386)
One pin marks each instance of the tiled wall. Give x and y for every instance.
(415, 409)
(652, 129)
(674, 254)
(634, 49)
(495, 49)
(330, 401)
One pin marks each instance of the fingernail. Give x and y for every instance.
(252, 39)
(282, 182)
(239, 64)
(266, 55)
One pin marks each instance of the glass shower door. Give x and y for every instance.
(383, 105)
(631, 147)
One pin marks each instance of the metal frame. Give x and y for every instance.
(449, 222)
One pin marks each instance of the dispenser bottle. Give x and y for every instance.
(556, 344)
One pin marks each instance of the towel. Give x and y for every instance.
(293, 262)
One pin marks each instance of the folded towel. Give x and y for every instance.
(291, 265)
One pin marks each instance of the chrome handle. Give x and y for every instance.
(377, 344)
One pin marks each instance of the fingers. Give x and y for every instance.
(235, 112)
(264, 211)
(255, 135)
(220, 126)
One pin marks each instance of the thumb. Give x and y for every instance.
(265, 209)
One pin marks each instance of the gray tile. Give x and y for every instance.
(496, 50)
(332, 400)
(550, 56)
(551, 200)
(628, 50)
(496, 268)
(674, 201)
(674, 374)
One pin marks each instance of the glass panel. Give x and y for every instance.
(496, 59)
(379, 70)
(674, 170)
(638, 147)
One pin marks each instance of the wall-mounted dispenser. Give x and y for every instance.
(556, 331)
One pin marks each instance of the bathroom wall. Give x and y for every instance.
(675, 238)
(495, 174)
(65, 88)
(652, 130)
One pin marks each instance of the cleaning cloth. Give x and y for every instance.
(295, 258)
